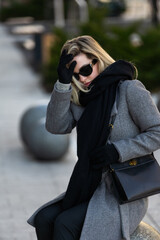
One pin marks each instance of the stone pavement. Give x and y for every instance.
(25, 183)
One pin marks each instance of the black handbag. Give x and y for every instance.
(135, 179)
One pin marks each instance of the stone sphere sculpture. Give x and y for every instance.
(42, 144)
(145, 232)
(30, 118)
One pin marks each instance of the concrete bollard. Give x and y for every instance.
(145, 232)
(42, 144)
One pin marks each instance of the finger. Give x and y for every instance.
(72, 66)
(66, 58)
(64, 53)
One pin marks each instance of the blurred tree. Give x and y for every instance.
(77, 12)
(49, 72)
(154, 8)
(48, 9)
(129, 43)
(122, 42)
(38, 9)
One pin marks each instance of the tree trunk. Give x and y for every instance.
(58, 9)
(154, 7)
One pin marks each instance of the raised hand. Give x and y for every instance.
(64, 73)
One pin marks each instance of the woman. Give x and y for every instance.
(92, 92)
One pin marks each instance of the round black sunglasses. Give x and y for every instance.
(86, 70)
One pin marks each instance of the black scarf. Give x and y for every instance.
(93, 130)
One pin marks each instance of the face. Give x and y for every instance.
(82, 60)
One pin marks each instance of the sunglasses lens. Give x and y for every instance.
(86, 70)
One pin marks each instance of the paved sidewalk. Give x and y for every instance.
(26, 183)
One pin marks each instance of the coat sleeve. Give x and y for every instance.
(147, 117)
(59, 117)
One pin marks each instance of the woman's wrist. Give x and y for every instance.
(63, 86)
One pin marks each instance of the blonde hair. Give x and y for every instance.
(89, 46)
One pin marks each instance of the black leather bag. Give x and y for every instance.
(135, 179)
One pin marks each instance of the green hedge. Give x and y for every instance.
(34, 8)
(116, 41)
(49, 71)
(146, 57)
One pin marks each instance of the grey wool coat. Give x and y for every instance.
(136, 132)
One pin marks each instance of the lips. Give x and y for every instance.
(87, 84)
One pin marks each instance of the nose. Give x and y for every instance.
(82, 79)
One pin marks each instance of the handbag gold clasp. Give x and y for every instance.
(112, 170)
(133, 162)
